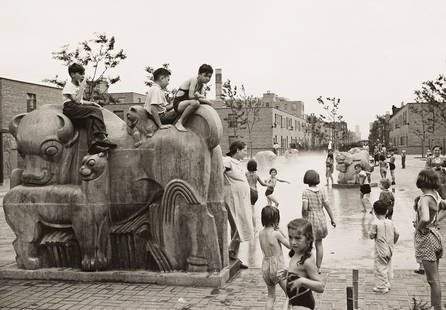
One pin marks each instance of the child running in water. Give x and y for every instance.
(392, 166)
(314, 201)
(364, 188)
(273, 265)
(428, 243)
(382, 166)
(329, 167)
(385, 235)
(253, 178)
(302, 277)
(387, 197)
(271, 184)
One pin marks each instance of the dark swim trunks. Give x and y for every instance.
(392, 166)
(269, 191)
(254, 197)
(365, 189)
(177, 100)
(303, 297)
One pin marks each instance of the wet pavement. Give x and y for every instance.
(347, 245)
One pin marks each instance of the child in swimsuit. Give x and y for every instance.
(303, 277)
(273, 266)
(271, 184)
(364, 187)
(382, 166)
(190, 94)
(253, 178)
(392, 167)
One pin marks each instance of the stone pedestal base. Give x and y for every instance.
(337, 185)
(198, 279)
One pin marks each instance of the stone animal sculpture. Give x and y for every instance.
(155, 203)
(346, 161)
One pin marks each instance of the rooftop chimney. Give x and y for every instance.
(218, 84)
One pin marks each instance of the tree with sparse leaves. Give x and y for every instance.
(244, 108)
(98, 56)
(332, 117)
(314, 128)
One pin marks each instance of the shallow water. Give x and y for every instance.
(347, 245)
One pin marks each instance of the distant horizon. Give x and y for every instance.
(371, 54)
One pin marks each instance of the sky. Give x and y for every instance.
(370, 54)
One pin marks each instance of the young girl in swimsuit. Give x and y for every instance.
(303, 277)
(271, 184)
(190, 94)
(428, 243)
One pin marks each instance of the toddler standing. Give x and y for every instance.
(385, 235)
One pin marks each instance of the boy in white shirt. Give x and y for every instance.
(156, 103)
(75, 108)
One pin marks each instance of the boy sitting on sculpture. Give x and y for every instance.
(156, 103)
(75, 108)
(190, 94)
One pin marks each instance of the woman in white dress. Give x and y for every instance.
(237, 197)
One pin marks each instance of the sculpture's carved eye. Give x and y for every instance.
(51, 149)
(91, 162)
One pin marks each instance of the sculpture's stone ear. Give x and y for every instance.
(65, 133)
(14, 124)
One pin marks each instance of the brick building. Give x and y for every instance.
(128, 97)
(19, 97)
(414, 128)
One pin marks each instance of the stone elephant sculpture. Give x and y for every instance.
(142, 205)
(346, 161)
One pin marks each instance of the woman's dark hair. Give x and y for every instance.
(382, 157)
(159, 73)
(435, 146)
(204, 68)
(311, 178)
(304, 226)
(251, 165)
(76, 68)
(235, 146)
(428, 178)
(270, 216)
(272, 169)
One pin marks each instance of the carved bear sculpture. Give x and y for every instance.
(346, 161)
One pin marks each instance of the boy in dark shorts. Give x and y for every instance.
(75, 108)
(364, 187)
(190, 94)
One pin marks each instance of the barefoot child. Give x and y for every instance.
(253, 178)
(385, 235)
(314, 201)
(273, 266)
(364, 187)
(329, 167)
(428, 243)
(190, 94)
(302, 277)
(392, 167)
(271, 184)
(387, 197)
(382, 166)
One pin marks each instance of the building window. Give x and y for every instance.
(275, 139)
(31, 102)
(139, 100)
(232, 120)
(119, 113)
(282, 122)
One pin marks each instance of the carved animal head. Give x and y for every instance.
(343, 160)
(138, 118)
(44, 140)
(93, 166)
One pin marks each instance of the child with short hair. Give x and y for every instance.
(392, 166)
(314, 200)
(364, 186)
(271, 183)
(428, 243)
(385, 235)
(156, 103)
(302, 277)
(75, 108)
(387, 197)
(273, 265)
(253, 178)
(190, 94)
(382, 166)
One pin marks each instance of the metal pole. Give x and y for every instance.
(1, 158)
(349, 298)
(355, 287)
